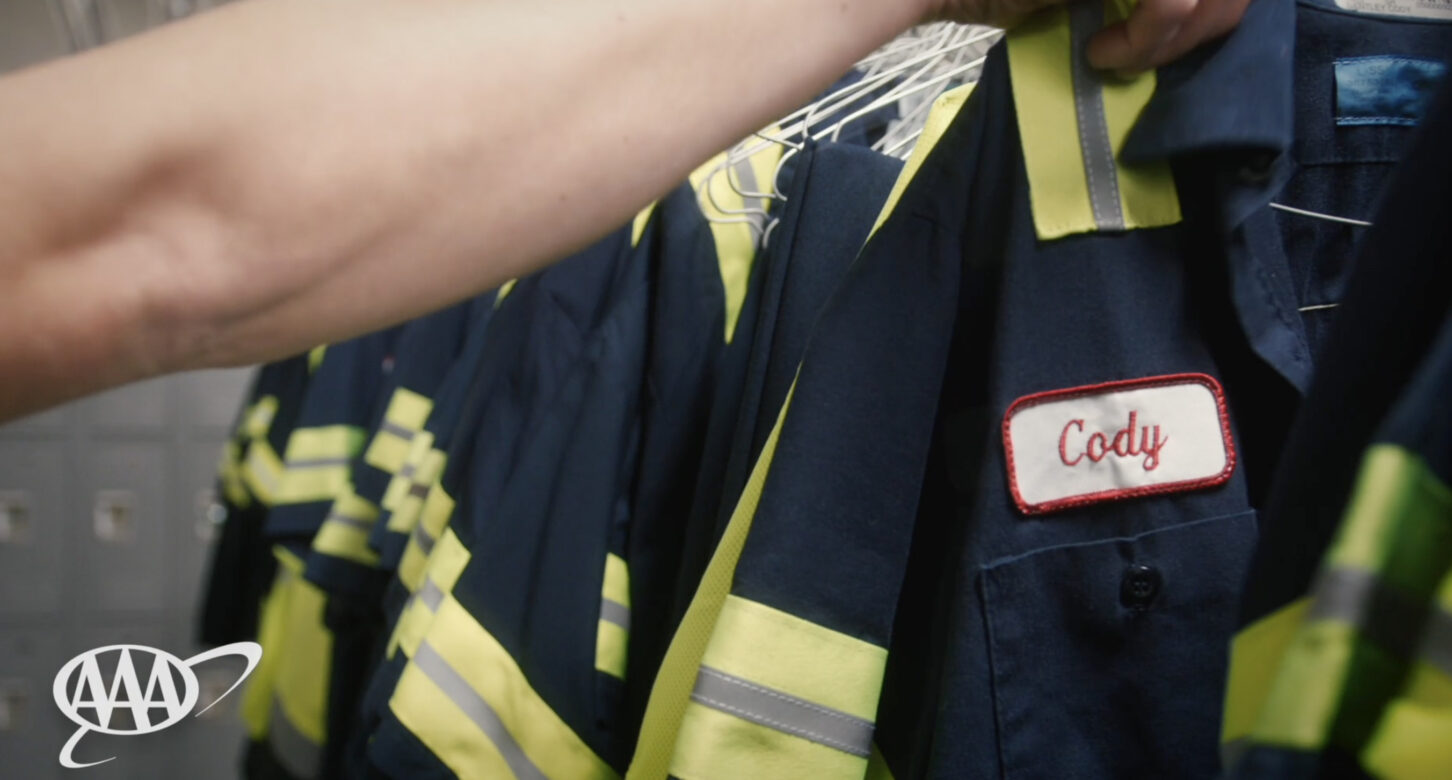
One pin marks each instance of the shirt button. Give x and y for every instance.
(1140, 586)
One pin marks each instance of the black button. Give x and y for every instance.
(1140, 586)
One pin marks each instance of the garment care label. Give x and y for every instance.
(1118, 440)
(1424, 9)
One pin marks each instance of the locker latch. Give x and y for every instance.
(114, 518)
(15, 514)
(14, 697)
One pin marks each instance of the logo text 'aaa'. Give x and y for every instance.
(154, 696)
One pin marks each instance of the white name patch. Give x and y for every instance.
(1140, 437)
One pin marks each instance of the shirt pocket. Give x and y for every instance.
(1108, 658)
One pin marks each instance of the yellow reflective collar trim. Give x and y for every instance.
(945, 110)
(433, 518)
(346, 530)
(1073, 123)
(677, 676)
(466, 699)
(638, 225)
(735, 233)
(612, 631)
(1255, 656)
(315, 357)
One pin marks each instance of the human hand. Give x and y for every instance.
(1156, 31)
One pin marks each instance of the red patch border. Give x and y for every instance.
(1119, 494)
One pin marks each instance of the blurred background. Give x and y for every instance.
(106, 506)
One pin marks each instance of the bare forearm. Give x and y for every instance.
(286, 172)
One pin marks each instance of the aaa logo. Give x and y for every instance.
(90, 701)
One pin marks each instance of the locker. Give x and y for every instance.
(124, 510)
(51, 422)
(143, 407)
(34, 527)
(199, 516)
(32, 729)
(210, 399)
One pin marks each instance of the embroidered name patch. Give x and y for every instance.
(1140, 437)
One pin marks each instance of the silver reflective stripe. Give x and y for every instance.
(1380, 612)
(407, 471)
(457, 689)
(431, 594)
(360, 523)
(422, 539)
(419, 490)
(299, 755)
(317, 463)
(783, 712)
(397, 430)
(1085, 19)
(614, 612)
(1437, 641)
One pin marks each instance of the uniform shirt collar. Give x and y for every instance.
(1231, 95)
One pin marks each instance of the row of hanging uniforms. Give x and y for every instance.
(492, 518)
(992, 492)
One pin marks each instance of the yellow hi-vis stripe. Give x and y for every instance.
(779, 697)
(433, 518)
(722, 205)
(318, 463)
(263, 472)
(258, 420)
(945, 109)
(1255, 655)
(315, 357)
(444, 568)
(612, 632)
(287, 703)
(1397, 498)
(1076, 181)
(677, 676)
(1411, 741)
(638, 225)
(405, 416)
(465, 698)
(346, 530)
(408, 489)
